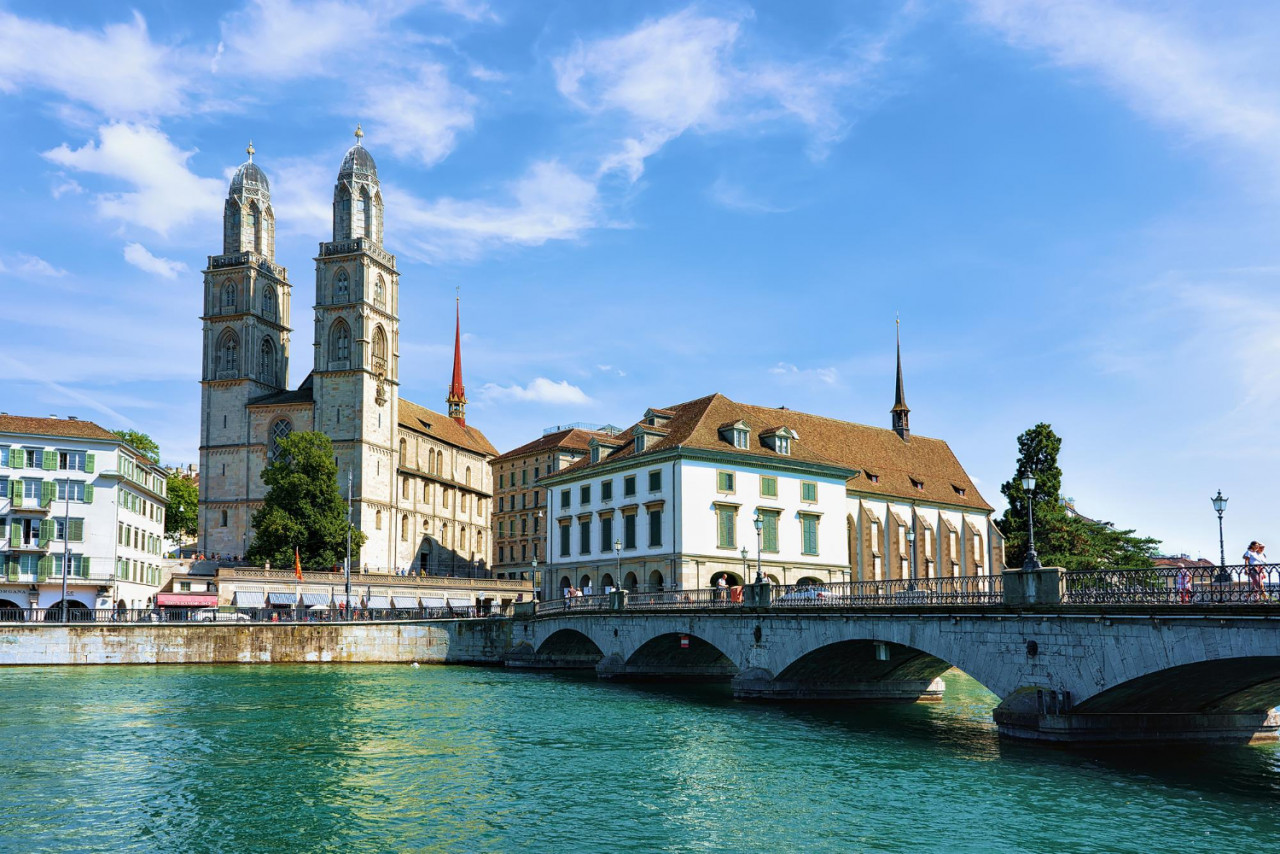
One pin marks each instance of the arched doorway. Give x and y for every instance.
(77, 612)
(584, 583)
(630, 582)
(809, 581)
(655, 582)
(732, 579)
(606, 582)
(11, 611)
(565, 584)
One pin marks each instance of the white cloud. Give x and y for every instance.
(282, 39)
(66, 185)
(1165, 72)
(137, 255)
(549, 202)
(540, 390)
(734, 197)
(422, 116)
(31, 267)
(685, 73)
(789, 373)
(166, 193)
(119, 71)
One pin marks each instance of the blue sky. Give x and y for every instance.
(1074, 207)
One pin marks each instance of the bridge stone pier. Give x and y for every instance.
(1161, 675)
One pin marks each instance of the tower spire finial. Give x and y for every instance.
(359, 134)
(249, 151)
(457, 398)
(900, 412)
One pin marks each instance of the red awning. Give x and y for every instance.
(189, 600)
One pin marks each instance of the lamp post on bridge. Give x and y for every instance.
(1033, 559)
(617, 551)
(911, 555)
(744, 564)
(1220, 504)
(759, 523)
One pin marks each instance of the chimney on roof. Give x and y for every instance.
(901, 414)
(72, 418)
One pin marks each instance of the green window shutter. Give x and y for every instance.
(88, 463)
(11, 569)
(809, 527)
(808, 491)
(45, 567)
(15, 535)
(17, 458)
(50, 460)
(47, 490)
(75, 530)
(770, 531)
(726, 528)
(88, 493)
(47, 530)
(84, 566)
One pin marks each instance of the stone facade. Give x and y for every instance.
(351, 393)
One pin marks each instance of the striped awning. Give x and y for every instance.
(311, 600)
(249, 599)
(404, 602)
(432, 602)
(459, 603)
(282, 598)
(379, 602)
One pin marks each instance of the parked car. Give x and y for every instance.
(805, 594)
(211, 615)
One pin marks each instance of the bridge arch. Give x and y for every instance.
(1219, 686)
(567, 648)
(673, 656)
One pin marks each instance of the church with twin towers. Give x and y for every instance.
(421, 483)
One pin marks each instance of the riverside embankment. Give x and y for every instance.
(435, 642)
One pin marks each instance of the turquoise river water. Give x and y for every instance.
(395, 758)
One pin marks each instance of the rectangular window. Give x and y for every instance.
(606, 490)
(524, 477)
(724, 481)
(769, 532)
(809, 534)
(564, 539)
(564, 498)
(655, 481)
(502, 481)
(31, 488)
(584, 494)
(768, 486)
(808, 491)
(740, 439)
(71, 460)
(606, 534)
(655, 527)
(35, 458)
(629, 531)
(4, 456)
(501, 504)
(726, 524)
(628, 486)
(584, 537)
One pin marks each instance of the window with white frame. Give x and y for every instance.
(71, 460)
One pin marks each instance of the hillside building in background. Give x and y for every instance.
(672, 503)
(420, 480)
(519, 515)
(73, 494)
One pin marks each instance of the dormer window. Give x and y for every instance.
(918, 484)
(782, 445)
(872, 478)
(741, 439)
(778, 439)
(959, 490)
(736, 433)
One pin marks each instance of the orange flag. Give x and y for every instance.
(297, 563)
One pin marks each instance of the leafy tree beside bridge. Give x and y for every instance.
(303, 507)
(1063, 538)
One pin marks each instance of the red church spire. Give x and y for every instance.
(457, 398)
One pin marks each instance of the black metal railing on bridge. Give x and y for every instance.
(1203, 585)
(53, 616)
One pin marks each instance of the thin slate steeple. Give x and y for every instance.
(457, 398)
(901, 412)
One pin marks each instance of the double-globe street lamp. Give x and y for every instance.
(1220, 504)
(759, 523)
(1033, 559)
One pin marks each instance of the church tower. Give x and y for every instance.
(357, 342)
(246, 353)
(900, 412)
(457, 398)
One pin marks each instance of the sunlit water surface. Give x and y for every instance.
(377, 758)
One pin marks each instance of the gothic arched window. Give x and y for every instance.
(341, 287)
(377, 217)
(468, 475)
(231, 228)
(255, 227)
(404, 527)
(267, 362)
(358, 221)
(269, 302)
(364, 211)
(229, 295)
(379, 351)
(342, 213)
(339, 342)
(380, 293)
(403, 446)
(279, 429)
(228, 353)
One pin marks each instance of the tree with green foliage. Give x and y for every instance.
(303, 507)
(1063, 538)
(182, 514)
(142, 442)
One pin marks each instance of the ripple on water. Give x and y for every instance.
(370, 758)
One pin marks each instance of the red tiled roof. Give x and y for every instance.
(826, 441)
(572, 438)
(54, 427)
(444, 428)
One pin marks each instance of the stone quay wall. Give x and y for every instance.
(435, 642)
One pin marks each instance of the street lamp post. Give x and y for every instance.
(1220, 504)
(744, 564)
(759, 523)
(617, 551)
(346, 567)
(1033, 559)
(66, 547)
(911, 555)
(537, 592)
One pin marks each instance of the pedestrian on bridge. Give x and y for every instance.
(1255, 559)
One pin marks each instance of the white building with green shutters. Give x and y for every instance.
(73, 495)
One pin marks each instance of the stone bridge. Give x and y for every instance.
(1065, 674)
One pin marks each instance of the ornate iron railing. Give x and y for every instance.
(1205, 585)
(188, 616)
(897, 593)
(595, 602)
